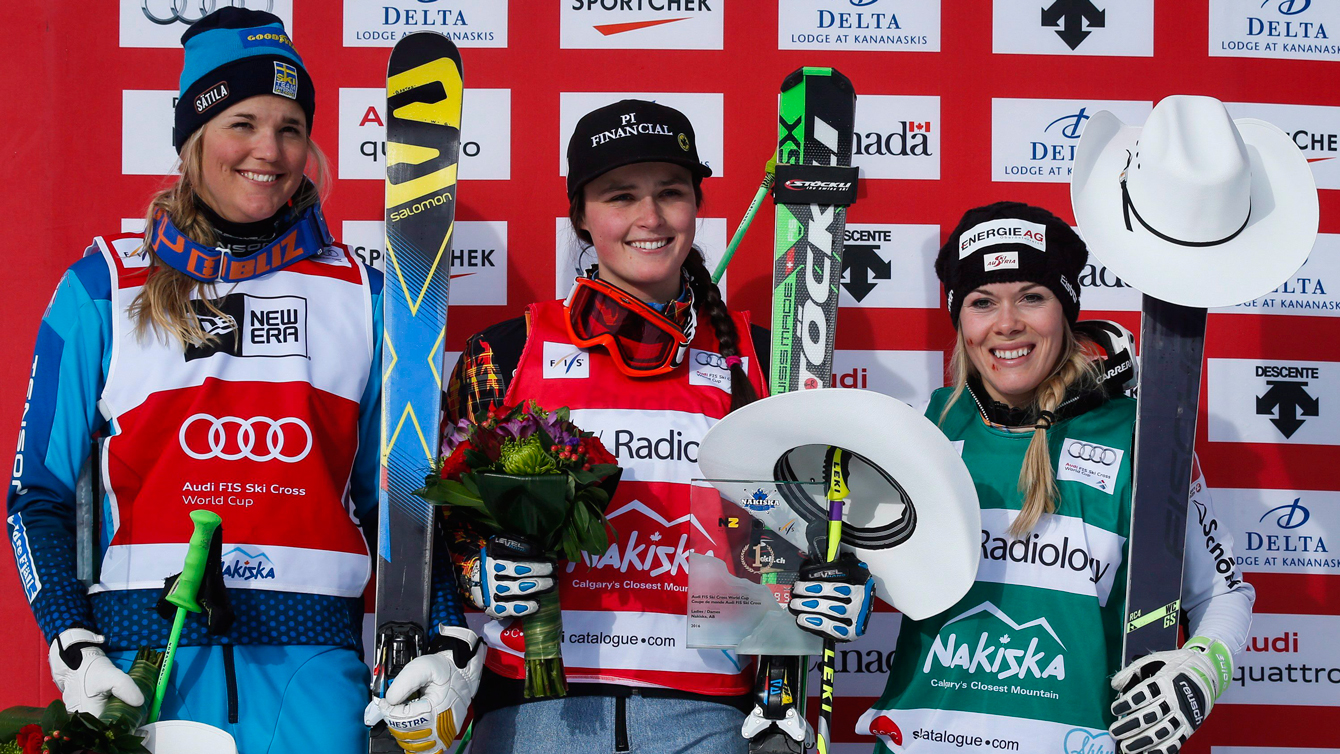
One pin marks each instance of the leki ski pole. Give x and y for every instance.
(743, 228)
(184, 594)
(835, 476)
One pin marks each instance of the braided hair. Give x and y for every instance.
(706, 295)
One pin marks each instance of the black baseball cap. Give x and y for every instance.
(628, 132)
(1008, 242)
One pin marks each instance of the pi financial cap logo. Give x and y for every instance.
(1291, 515)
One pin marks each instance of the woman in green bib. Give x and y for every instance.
(1029, 659)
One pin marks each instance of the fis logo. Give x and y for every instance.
(564, 361)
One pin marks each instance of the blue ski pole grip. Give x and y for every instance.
(187, 588)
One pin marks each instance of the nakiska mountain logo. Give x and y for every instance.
(642, 24)
(645, 553)
(995, 648)
(904, 25)
(759, 502)
(1290, 29)
(240, 565)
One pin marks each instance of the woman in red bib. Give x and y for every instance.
(648, 357)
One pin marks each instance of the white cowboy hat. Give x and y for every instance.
(912, 515)
(1194, 207)
(183, 736)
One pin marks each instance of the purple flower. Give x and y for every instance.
(519, 428)
(456, 436)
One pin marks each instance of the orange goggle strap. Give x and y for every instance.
(642, 341)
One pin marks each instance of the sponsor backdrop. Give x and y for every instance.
(960, 103)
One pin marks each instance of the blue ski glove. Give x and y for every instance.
(508, 576)
(833, 600)
(1166, 696)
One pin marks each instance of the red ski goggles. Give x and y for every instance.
(642, 341)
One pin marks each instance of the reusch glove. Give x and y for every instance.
(213, 596)
(84, 675)
(1166, 696)
(508, 576)
(833, 600)
(442, 685)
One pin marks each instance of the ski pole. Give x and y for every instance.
(735, 240)
(835, 474)
(184, 593)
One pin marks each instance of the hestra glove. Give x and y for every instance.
(1166, 696)
(438, 687)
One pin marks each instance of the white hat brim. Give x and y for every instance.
(933, 566)
(1275, 243)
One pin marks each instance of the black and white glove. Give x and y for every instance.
(508, 576)
(833, 600)
(426, 704)
(84, 675)
(1166, 696)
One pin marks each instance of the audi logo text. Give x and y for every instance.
(1096, 453)
(177, 10)
(708, 359)
(233, 438)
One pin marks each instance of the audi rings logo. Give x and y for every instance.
(179, 10)
(232, 438)
(709, 359)
(1096, 453)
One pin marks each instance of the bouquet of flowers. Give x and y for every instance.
(53, 729)
(527, 472)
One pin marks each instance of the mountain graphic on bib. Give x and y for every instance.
(986, 642)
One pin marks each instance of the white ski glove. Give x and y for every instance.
(833, 600)
(1168, 695)
(439, 688)
(508, 576)
(84, 675)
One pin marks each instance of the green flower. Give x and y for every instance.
(526, 457)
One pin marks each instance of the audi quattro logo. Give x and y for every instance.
(1095, 453)
(232, 438)
(167, 12)
(709, 359)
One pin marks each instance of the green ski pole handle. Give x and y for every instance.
(735, 240)
(184, 594)
(835, 477)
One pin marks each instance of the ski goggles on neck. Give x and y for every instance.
(642, 341)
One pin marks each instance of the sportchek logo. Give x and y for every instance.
(652, 544)
(1314, 129)
(478, 257)
(641, 24)
(996, 646)
(1063, 554)
(652, 446)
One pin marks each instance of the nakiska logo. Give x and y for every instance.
(649, 556)
(641, 24)
(996, 653)
(240, 565)
(996, 232)
(759, 502)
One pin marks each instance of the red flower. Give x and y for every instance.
(30, 739)
(595, 451)
(455, 464)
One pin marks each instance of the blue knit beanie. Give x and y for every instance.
(233, 54)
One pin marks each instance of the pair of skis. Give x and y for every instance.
(423, 109)
(813, 184)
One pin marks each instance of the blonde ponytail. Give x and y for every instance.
(1037, 481)
(164, 303)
